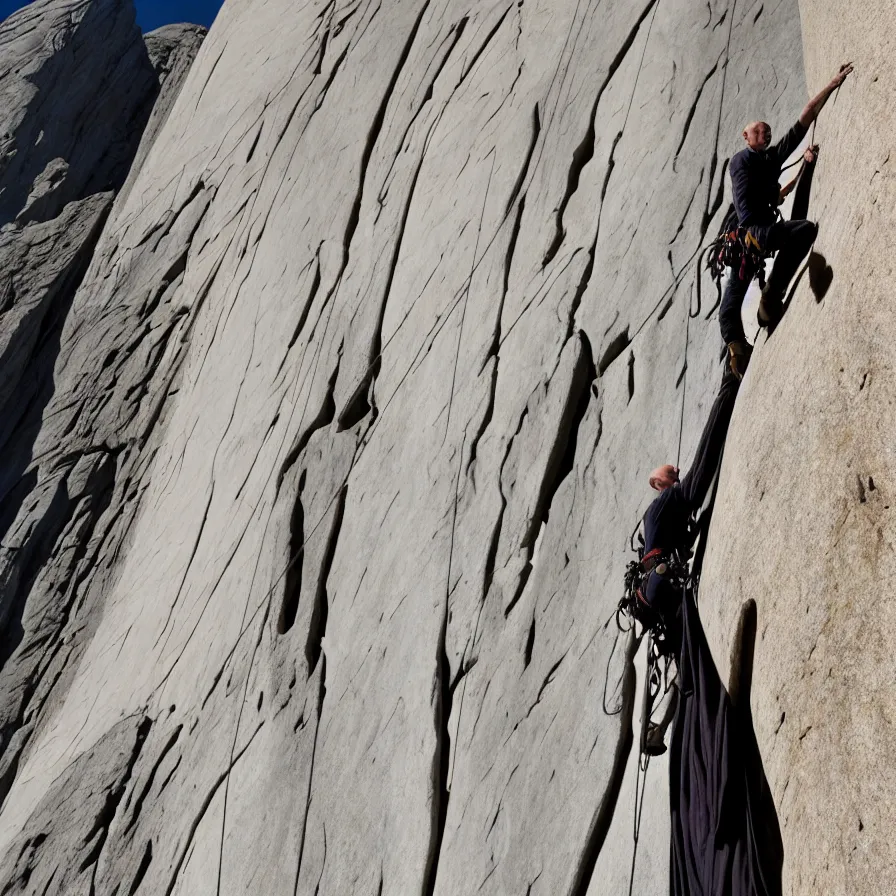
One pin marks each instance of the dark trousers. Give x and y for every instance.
(708, 457)
(792, 241)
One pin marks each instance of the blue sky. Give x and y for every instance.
(153, 13)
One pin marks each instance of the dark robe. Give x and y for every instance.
(725, 835)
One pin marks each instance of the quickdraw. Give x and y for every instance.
(739, 250)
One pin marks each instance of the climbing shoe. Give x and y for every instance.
(653, 742)
(770, 312)
(739, 357)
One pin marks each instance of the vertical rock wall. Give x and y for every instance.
(804, 523)
(351, 422)
(78, 87)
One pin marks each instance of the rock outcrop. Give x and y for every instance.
(76, 87)
(309, 560)
(171, 50)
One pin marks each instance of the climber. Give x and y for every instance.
(757, 194)
(657, 584)
(667, 522)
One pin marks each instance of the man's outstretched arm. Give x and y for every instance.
(695, 484)
(815, 105)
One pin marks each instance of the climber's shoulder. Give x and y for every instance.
(744, 159)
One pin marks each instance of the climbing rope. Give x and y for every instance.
(684, 385)
(640, 794)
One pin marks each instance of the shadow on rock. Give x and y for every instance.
(821, 275)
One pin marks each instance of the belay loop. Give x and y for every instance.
(736, 248)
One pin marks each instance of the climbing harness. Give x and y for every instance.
(738, 249)
(673, 567)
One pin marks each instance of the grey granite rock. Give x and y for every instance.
(76, 88)
(87, 58)
(42, 265)
(171, 50)
(352, 420)
(804, 523)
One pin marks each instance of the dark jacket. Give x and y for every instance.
(754, 179)
(667, 520)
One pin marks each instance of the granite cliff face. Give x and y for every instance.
(78, 87)
(311, 540)
(804, 524)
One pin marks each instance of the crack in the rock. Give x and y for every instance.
(457, 31)
(482, 48)
(494, 351)
(320, 709)
(292, 583)
(687, 209)
(164, 228)
(103, 821)
(561, 459)
(164, 393)
(466, 296)
(530, 644)
(208, 79)
(614, 349)
(710, 211)
(318, 624)
(692, 111)
(203, 809)
(142, 868)
(374, 133)
(548, 679)
(603, 817)
(325, 415)
(137, 804)
(584, 152)
(524, 171)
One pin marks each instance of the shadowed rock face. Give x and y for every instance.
(76, 87)
(78, 76)
(352, 419)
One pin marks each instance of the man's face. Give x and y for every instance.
(758, 136)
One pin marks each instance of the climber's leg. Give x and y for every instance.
(792, 240)
(732, 325)
(729, 312)
(696, 482)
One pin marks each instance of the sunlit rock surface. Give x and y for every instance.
(319, 536)
(804, 522)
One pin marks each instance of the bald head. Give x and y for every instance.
(664, 477)
(758, 135)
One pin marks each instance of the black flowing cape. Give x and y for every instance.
(725, 835)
